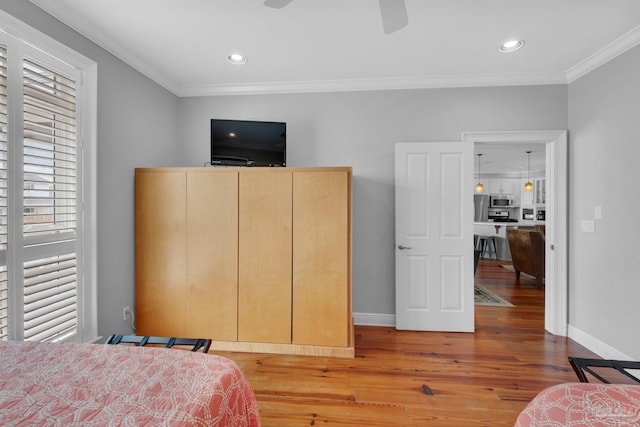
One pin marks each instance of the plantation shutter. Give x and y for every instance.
(4, 283)
(49, 203)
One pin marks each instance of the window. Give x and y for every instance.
(47, 220)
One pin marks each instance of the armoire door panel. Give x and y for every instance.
(212, 255)
(264, 263)
(321, 258)
(160, 253)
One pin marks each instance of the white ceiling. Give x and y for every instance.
(510, 159)
(328, 45)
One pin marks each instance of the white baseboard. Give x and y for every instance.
(600, 348)
(374, 319)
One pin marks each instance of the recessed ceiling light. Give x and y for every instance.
(236, 58)
(511, 46)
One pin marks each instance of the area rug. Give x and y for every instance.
(484, 296)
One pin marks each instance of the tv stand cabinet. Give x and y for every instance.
(257, 259)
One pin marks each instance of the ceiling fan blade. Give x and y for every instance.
(394, 15)
(277, 4)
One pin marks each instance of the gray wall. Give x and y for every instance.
(359, 129)
(137, 126)
(604, 123)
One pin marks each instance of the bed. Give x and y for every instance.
(103, 385)
(584, 404)
(613, 401)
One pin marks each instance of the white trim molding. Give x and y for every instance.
(354, 85)
(103, 40)
(556, 242)
(604, 55)
(600, 348)
(374, 319)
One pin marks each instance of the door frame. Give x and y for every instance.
(556, 241)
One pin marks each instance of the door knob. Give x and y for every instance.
(402, 248)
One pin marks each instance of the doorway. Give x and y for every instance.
(503, 172)
(555, 143)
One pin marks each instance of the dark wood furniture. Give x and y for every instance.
(527, 253)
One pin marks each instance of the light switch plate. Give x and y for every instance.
(588, 226)
(597, 212)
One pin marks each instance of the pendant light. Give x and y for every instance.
(479, 186)
(528, 186)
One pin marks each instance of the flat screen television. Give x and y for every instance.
(248, 143)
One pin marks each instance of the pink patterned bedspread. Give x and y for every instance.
(108, 385)
(584, 404)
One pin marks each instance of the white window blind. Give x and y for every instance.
(49, 153)
(4, 288)
(49, 205)
(50, 293)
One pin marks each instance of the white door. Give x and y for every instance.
(434, 236)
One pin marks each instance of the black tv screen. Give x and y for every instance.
(248, 143)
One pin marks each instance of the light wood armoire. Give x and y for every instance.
(257, 259)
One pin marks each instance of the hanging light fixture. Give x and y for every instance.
(528, 186)
(479, 186)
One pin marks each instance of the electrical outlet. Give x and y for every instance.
(588, 226)
(126, 313)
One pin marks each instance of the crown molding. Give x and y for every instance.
(351, 85)
(107, 43)
(604, 55)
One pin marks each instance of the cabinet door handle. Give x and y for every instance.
(402, 248)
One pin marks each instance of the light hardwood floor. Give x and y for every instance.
(401, 378)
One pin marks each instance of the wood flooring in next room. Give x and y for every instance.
(401, 378)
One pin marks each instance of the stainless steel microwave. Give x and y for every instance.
(504, 201)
